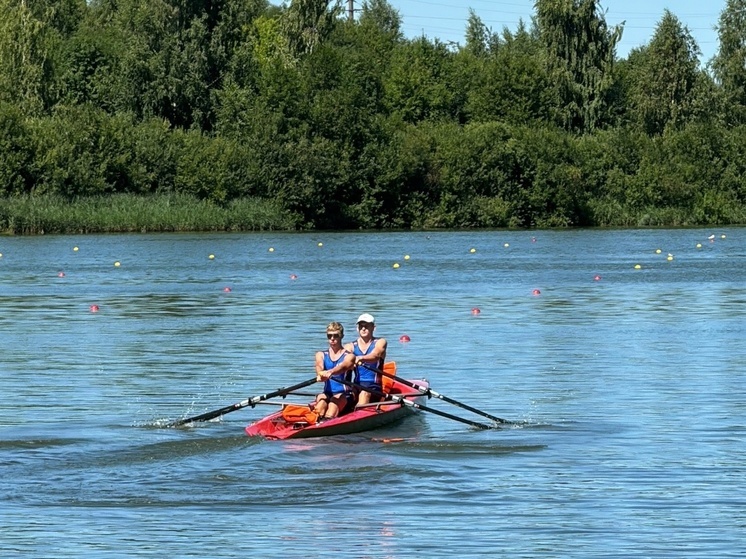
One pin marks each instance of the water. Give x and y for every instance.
(627, 393)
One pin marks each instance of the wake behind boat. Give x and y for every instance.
(404, 401)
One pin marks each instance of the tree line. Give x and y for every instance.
(348, 124)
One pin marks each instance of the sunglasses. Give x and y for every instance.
(333, 335)
(365, 325)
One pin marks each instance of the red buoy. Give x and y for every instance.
(404, 339)
(536, 292)
(475, 311)
(94, 308)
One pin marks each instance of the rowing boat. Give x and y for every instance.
(362, 418)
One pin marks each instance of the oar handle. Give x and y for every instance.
(430, 392)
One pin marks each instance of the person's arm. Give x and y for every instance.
(378, 353)
(320, 366)
(347, 363)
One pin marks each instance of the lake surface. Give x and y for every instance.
(627, 389)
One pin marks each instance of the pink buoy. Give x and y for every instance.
(475, 311)
(227, 289)
(61, 275)
(536, 292)
(404, 339)
(94, 308)
(293, 277)
(596, 278)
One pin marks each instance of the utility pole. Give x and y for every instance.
(350, 10)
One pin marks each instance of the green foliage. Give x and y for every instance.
(128, 213)
(580, 51)
(16, 151)
(237, 114)
(664, 77)
(728, 64)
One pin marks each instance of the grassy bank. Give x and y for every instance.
(29, 215)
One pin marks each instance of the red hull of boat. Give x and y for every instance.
(362, 419)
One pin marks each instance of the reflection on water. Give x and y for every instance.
(625, 385)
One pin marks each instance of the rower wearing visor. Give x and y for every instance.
(370, 354)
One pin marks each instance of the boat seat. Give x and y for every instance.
(387, 383)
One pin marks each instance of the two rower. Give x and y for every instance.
(334, 366)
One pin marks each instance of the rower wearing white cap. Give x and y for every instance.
(370, 354)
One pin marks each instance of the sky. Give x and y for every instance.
(446, 19)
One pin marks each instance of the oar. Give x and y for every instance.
(400, 400)
(431, 392)
(242, 404)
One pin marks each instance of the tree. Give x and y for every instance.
(25, 59)
(512, 84)
(581, 50)
(307, 23)
(729, 64)
(663, 77)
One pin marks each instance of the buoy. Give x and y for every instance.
(657, 251)
(211, 257)
(506, 245)
(271, 249)
(75, 249)
(669, 257)
(321, 244)
(227, 289)
(638, 267)
(293, 277)
(596, 278)
(406, 257)
(699, 245)
(396, 265)
(473, 250)
(475, 311)
(94, 308)
(60, 274)
(117, 264)
(536, 292)
(533, 239)
(404, 339)
(722, 236)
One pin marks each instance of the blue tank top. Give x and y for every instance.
(332, 385)
(366, 375)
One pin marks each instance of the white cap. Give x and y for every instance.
(365, 317)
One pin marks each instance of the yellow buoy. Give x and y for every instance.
(406, 257)
(473, 250)
(396, 265)
(637, 267)
(506, 245)
(669, 257)
(699, 245)
(75, 249)
(117, 264)
(657, 251)
(211, 257)
(321, 244)
(271, 249)
(722, 236)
